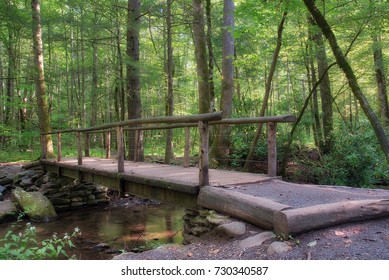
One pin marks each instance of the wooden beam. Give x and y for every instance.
(187, 147)
(107, 144)
(204, 154)
(87, 144)
(136, 147)
(120, 144)
(59, 147)
(271, 149)
(256, 210)
(79, 148)
(294, 221)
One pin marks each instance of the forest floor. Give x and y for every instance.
(368, 240)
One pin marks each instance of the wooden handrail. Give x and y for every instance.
(203, 121)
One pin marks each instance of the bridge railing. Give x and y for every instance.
(203, 121)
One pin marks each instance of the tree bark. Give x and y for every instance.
(382, 94)
(267, 91)
(352, 79)
(221, 147)
(169, 74)
(201, 56)
(211, 61)
(43, 112)
(133, 78)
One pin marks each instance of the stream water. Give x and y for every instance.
(106, 231)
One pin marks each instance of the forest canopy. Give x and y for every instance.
(111, 60)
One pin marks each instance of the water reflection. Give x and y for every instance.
(110, 230)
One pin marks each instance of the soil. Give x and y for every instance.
(368, 240)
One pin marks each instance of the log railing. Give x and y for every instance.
(203, 121)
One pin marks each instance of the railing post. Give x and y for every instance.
(204, 149)
(107, 144)
(272, 149)
(59, 147)
(187, 147)
(43, 146)
(87, 144)
(136, 148)
(79, 148)
(120, 140)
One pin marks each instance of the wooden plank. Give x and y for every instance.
(107, 144)
(293, 221)
(204, 154)
(59, 147)
(120, 144)
(79, 148)
(136, 147)
(256, 210)
(187, 147)
(272, 149)
(87, 144)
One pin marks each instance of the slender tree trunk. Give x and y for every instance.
(267, 91)
(10, 77)
(134, 105)
(201, 56)
(93, 119)
(1, 87)
(382, 94)
(221, 147)
(352, 79)
(211, 58)
(169, 74)
(43, 112)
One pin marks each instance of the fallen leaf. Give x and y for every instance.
(312, 244)
(190, 254)
(215, 251)
(339, 233)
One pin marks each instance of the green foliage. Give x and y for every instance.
(24, 245)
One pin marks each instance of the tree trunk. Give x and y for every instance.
(267, 91)
(352, 79)
(325, 93)
(201, 57)
(211, 61)
(43, 112)
(93, 118)
(221, 147)
(133, 78)
(169, 74)
(383, 109)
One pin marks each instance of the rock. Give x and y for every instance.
(35, 205)
(256, 240)
(6, 180)
(278, 247)
(199, 220)
(2, 188)
(8, 210)
(1, 197)
(233, 229)
(26, 182)
(217, 219)
(60, 201)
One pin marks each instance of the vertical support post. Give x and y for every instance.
(87, 144)
(79, 148)
(204, 154)
(59, 147)
(187, 147)
(271, 149)
(120, 140)
(44, 155)
(107, 144)
(136, 148)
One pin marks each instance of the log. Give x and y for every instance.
(204, 154)
(120, 144)
(256, 210)
(294, 221)
(87, 144)
(79, 148)
(271, 149)
(187, 147)
(59, 148)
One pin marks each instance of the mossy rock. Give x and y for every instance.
(8, 211)
(36, 206)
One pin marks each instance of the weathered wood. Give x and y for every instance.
(87, 144)
(256, 210)
(204, 154)
(271, 149)
(136, 146)
(59, 148)
(44, 151)
(187, 147)
(31, 164)
(107, 144)
(120, 144)
(267, 119)
(293, 221)
(79, 148)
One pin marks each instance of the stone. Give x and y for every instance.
(6, 180)
(233, 229)
(92, 202)
(278, 247)
(59, 201)
(77, 204)
(199, 230)
(256, 240)
(199, 220)
(36, 206)
(217, 219)
(1, 197)
(191, 212)
(8, 210)
(2, 188)
(26, 182)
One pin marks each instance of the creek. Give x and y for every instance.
(106, 231)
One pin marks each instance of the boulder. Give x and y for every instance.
(8, 210)
(233, 229)
(278, 247)
(6, 180)
(256, 240)
(36, 206)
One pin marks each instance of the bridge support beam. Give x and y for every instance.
(204, 154)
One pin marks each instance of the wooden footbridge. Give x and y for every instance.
(191, 187)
